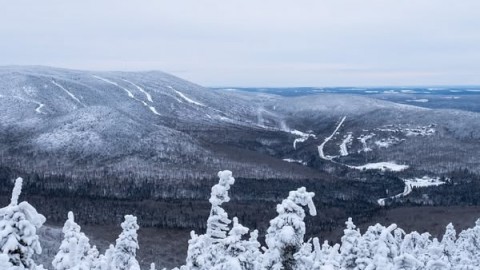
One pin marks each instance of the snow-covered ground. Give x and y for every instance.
(385, 143)
(327, 139)
(363, 139)
(303, 137)
(383, 166)
(420, 100)
(420, 131)
(411, 183)
(295, 161)
(343, 146)
(408, 130)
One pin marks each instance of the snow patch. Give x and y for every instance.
(343, 146)
(385, 143)
(303, 137)
(295, 161)
(383, 166)
(420, 100)
(363, 139)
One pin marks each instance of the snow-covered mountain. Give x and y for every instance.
(91, 138)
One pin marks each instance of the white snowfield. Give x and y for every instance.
(187, 99)
(327, 139)
(383, 166)
(68, 92)
(416, 182)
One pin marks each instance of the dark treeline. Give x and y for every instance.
(185, 204)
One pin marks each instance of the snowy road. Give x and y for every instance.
(425, 181)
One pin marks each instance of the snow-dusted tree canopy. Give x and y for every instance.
(228, 245)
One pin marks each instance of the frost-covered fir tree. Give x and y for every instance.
(124, 254)
(384, 250)
(467, 253)
(416, 244)
(218, 221)
(204, 251)
(19, 223)
(305, 257)
(349, 245)
(448, 241)
(105, 261)
(5, 262)
(235, 252)
(92, 258)
(286, 232)
(436, 258)
(74, 248)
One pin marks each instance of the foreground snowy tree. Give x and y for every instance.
(74, 250)
(19, 223)
(124, 254)
(350, 246)
(286, 232)
(207, 250)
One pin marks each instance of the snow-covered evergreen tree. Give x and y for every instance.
(349, 246)
(124, 254)
(436, 258)
(74, 248)
(384, 250)
(205, 251)
(286, 232)
(467, 252)
(19, 223)
(448, 242)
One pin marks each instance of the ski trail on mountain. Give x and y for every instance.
(327, 139)
(37, 110)
(116, 84)
(149, 97)
(130, 94)
(343, 146)
(68, 92)
(187, 99)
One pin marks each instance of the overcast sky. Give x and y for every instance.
(252, 42)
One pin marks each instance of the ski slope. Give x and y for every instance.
(327, 139)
